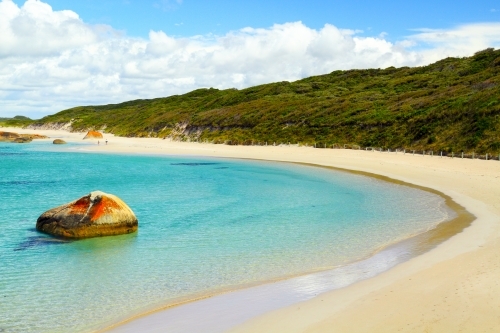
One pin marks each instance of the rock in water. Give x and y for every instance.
(93, 135)
(97, 214)
(8, 136)
(58, 142)
(19, 138)
(22, 140)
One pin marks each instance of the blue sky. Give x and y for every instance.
(199, 17)
(57, 54)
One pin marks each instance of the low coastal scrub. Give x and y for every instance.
(17, 121)
(452, 105)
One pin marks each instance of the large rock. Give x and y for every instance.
(19, 138)
(97, 214)
(34, 136)
(8, 136)
(59, 142)
(93, 135)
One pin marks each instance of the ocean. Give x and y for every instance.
(205, 225)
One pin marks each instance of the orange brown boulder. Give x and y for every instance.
(19, 138)
(8, 136)
(93, 135)
(95, 215)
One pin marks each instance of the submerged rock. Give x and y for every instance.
(23, 140)
(58, 142)
(93, 135)
(97, 214)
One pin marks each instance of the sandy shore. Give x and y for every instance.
(452, 288)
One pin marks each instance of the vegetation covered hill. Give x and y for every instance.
(451, 105)
(17, 121)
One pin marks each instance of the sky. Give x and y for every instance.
(57, 54)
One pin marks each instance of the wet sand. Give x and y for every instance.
(453, 287)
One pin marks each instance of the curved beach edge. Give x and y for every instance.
(452, 287)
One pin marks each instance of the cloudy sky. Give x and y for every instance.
(56, 54)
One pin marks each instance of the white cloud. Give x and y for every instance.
(51, 60)
(435, 44)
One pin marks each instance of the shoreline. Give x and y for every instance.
(413, 245)
(457, 179)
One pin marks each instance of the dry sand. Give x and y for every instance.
(453, 288)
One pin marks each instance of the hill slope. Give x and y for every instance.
(453, 104)
(17, 121)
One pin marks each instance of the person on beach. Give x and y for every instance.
(106, 141)
(98, 142)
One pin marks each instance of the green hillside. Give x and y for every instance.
(17, 121)
(453, 104)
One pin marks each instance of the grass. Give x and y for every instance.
(17, 121)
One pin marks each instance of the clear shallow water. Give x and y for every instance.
(205, 224)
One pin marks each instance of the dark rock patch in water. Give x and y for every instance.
(195, 164)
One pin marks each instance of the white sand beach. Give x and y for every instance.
(452, 288)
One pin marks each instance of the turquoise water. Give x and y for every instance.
(204, 224)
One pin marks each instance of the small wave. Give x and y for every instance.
(26, 182)
(9, 154)
(38, 241)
